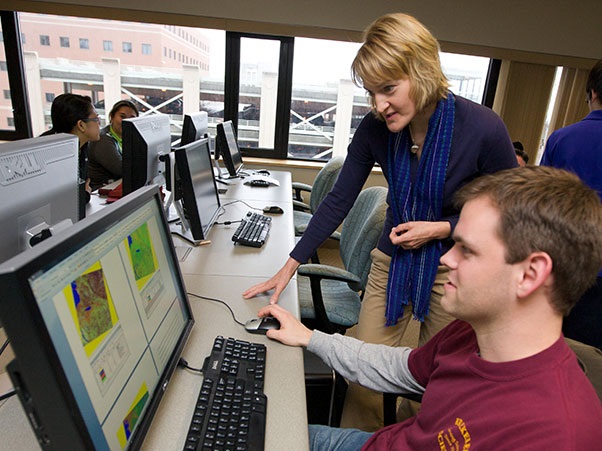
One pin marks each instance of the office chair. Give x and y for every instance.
(303, 211)
(330, 297)
(589, 358)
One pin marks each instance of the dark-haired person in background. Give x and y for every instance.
(75, 114)
(521, 156)
(104, 155)
(578, 148)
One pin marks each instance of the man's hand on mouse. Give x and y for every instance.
(291, 331)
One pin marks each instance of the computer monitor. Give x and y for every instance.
(97, 318)
(227, 147)
(39, 188)
(198, 205)
(195, 126)
(145, 139)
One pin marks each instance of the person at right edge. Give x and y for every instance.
(578, 148)
(428, 142)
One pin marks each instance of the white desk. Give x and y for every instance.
(220, 270)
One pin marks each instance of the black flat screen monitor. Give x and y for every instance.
(194, 127)
(226, 146)
(200, 204)
(97, 317)
(145, 139)
(39, 190)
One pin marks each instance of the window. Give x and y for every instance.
(281, 105)
(64, 41)
(10, 121)
(324, 99)
(3, 66)
(6, 93)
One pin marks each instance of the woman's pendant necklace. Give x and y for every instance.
(415, 147)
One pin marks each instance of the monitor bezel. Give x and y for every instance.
(137, 161)
(198, 230)
(37, 374)
(194, 127)
(225, 150)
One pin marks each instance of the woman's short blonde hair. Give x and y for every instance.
(397, 46)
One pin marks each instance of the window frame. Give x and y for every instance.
(16, 79)
(285, 89)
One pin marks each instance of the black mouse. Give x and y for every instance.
(273, 209)
(262, 325)
(263, 171)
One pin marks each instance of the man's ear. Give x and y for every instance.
(536, 272)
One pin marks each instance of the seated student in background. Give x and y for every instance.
(522, 157)
(105, 161)
(75, 114)
(501, 377)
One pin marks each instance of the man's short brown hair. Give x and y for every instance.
(549, 210)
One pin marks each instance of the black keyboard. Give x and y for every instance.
(253, 230)
(231, 407)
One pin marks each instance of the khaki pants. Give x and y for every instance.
(363, 408)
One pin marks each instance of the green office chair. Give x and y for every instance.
(330, 297)
(303, 211)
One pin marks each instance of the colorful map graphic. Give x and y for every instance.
(91, 306)
(142, 255)
(129, 422)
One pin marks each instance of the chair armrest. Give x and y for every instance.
(301, 206)
(298, 187)
(312, 270)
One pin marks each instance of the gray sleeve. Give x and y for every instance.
(378, 367)
(106, 153)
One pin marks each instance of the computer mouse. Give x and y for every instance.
(273, 209)
(262, 325)
(263, 171)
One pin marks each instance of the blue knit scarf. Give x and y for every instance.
(412, 272)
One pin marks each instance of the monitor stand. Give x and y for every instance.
(181, 226)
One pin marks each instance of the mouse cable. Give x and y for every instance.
(182, 363)
(223, 209)
(4, 346)
(219, 301)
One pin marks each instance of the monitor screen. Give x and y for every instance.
(227, 147)
(97, 317)
(145, 139)
(39, 190)
(200, 202)
(195, 127)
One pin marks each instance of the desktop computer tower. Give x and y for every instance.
(324, 391)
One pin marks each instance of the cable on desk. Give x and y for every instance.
(223, 209)
(182, 363)
(4, 346)
(219, 301)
